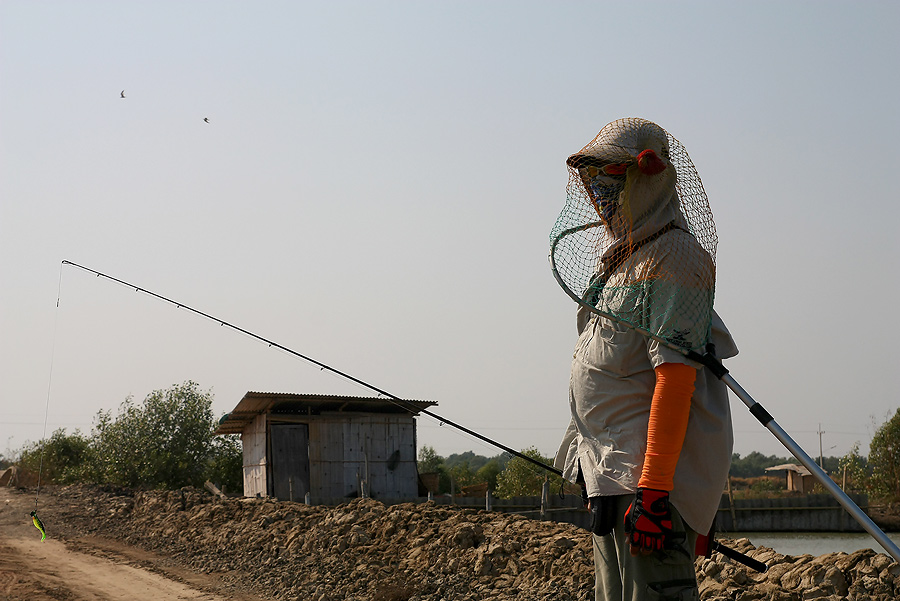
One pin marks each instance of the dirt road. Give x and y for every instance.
(86, 568)
(109, 544)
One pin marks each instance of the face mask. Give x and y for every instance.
(605, 191)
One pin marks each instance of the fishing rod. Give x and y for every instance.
(728, 552)
(390, 397)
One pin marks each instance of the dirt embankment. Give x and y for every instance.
(411, 552)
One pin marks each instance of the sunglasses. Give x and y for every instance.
(594, 166)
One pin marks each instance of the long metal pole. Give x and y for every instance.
(412, 407)
(830, 485)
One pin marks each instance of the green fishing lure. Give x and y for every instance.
(38, 524)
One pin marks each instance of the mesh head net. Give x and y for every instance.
(636, 240)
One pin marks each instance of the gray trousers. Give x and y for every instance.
(667, 575)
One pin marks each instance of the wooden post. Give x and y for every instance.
(545, 496)
(366, 480)
(731, 506)
(487, 500)
(213, 489)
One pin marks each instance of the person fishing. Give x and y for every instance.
(650, 437)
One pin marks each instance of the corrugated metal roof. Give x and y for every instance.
(792, 467)
(287, 403)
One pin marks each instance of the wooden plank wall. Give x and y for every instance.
(343, 450)
(253, 440)
(326, 457)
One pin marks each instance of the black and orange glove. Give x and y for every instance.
(648, 521)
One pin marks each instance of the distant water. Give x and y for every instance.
(811, 543)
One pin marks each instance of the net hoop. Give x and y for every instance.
(581, 302)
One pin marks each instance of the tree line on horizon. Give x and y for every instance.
(462, 470)
(167, 441)
(878, 474)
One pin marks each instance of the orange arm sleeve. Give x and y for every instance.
(669, 411)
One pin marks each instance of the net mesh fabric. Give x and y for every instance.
(636, 239)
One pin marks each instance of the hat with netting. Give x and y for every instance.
(636, 238)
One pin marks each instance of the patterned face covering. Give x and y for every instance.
(605, 191)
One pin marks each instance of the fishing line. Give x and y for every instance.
(409, 406)
(37, 494)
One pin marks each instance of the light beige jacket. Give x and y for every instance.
(611, 386)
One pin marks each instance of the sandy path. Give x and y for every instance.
(84, 569)
(64, 574)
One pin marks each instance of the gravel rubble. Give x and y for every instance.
(364, 550)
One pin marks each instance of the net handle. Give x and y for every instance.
(784, 438)
(763, 416)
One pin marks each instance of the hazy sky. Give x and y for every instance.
(376, 186)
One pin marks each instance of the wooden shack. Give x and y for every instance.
(799, 479)
(331, 447)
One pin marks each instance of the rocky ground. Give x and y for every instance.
(364, 550)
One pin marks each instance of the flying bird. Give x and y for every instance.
(206, 119)
(122, 94)
(38, 524)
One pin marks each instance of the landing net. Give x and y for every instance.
(636, 241)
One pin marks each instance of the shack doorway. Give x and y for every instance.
(290, 461)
